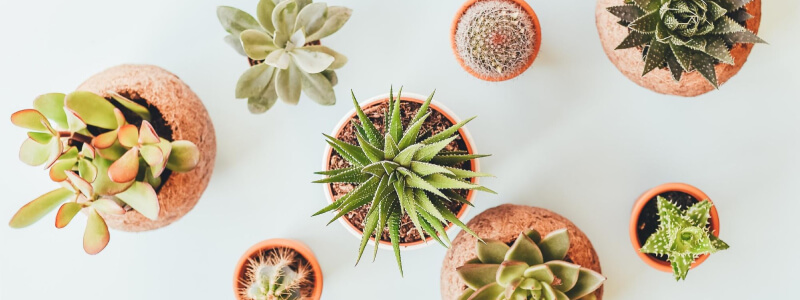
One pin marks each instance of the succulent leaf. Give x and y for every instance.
(96, 236)
(319, 88)
(39, 207)
(235, 21)
(492, 251)
(525, 250)
(337, 17)
(143, 198)
(284, 79)
(184, 156)
(66, 213)
(52, 106)
(92, 108)
(555, 245)
(136, 108)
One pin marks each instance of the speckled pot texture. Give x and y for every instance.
(631, 64)
(504, 223)
(185, 114)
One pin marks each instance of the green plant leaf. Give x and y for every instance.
(311, 62)
(96, 236)
(184, 156)
(81, 184)
(540, 273)
(719, 50)
(39, 207)
(628, 13)
(87, 170)
(374, 154)
(339, 60)
(407, 155)
(52, 107)
(656, 56)
(372, 133)
(647, 23)
(279, 59)
(235, 21)
(264, 14)
(143, 198)
(744, 37)
(311, 18)
(411, 133)
(136, 108)
(429, 151)
(704, 64)
(66, 213)
(478, 275)
(254, 81)
(727, 25)
(351, 153)
(93, 109)
(126, 167)
(635, 39)
(492, 251)
(289, 84)
(447, 133)
(34, 154)
(489, 292)
(566, 272)
(510, 270)
(128, 136)
(103, 185)
(394, 235)
(152, 155)
(235, 43)
(318, 88)
(31, 119)
(283, 18)
(257, 44)
(108, 206)
(425, 169)
(525, 250)
(337, 17)
(588, 282)
(555, 245)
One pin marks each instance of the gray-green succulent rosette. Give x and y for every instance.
(283, 40)
(685, 35)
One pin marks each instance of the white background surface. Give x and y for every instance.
(571, 135)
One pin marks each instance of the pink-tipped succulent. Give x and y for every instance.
(104, 163)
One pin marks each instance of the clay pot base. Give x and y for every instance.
(185, 114)
(631, 64)
(436, 123)
(505, 223)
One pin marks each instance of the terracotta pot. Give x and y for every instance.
(504, 223)
(185, 114)
(631, 64)
(644, 199)
(435, 105)
(296, 246)
(536, 44)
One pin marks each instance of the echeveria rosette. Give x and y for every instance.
(103, 163)
(270, 276)
(285, 37)
(531, 268)
(685, 35)
(682, 235)
(402, 171)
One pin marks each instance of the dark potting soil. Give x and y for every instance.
(648, 219)
(160, 125)
(437, 122)
(306, 289)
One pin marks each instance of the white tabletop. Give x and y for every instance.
(572, 135)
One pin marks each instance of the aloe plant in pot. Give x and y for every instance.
(400, 172)
(283, 47)
(133, 157)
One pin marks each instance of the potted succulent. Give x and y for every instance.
(674, 227)
(284, 50)
(679, 47)
(400, 172)
(526, 253)
(278, 269)
(496, 40)
(133, 149)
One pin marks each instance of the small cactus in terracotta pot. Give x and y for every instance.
(496, 40)
(278, 269)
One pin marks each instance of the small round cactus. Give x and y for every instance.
(277, 274)
(496, 40)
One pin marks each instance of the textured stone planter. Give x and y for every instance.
(185, 114)
(631, 64)
(504, 223)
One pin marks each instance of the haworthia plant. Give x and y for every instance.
(685, 35)
(103, 163)
(285, 36)
(533, 267)
(276, 275)
(403, 171)
(683, 235)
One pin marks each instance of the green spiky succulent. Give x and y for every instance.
(286, 39)
(531, 268)
(103, 163)
(682, 235)
(685, 35)
(276, 275)
(403, 171)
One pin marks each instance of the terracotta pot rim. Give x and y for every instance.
(536, 44)
(435, 105)
(645, 198)
(296, 246)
